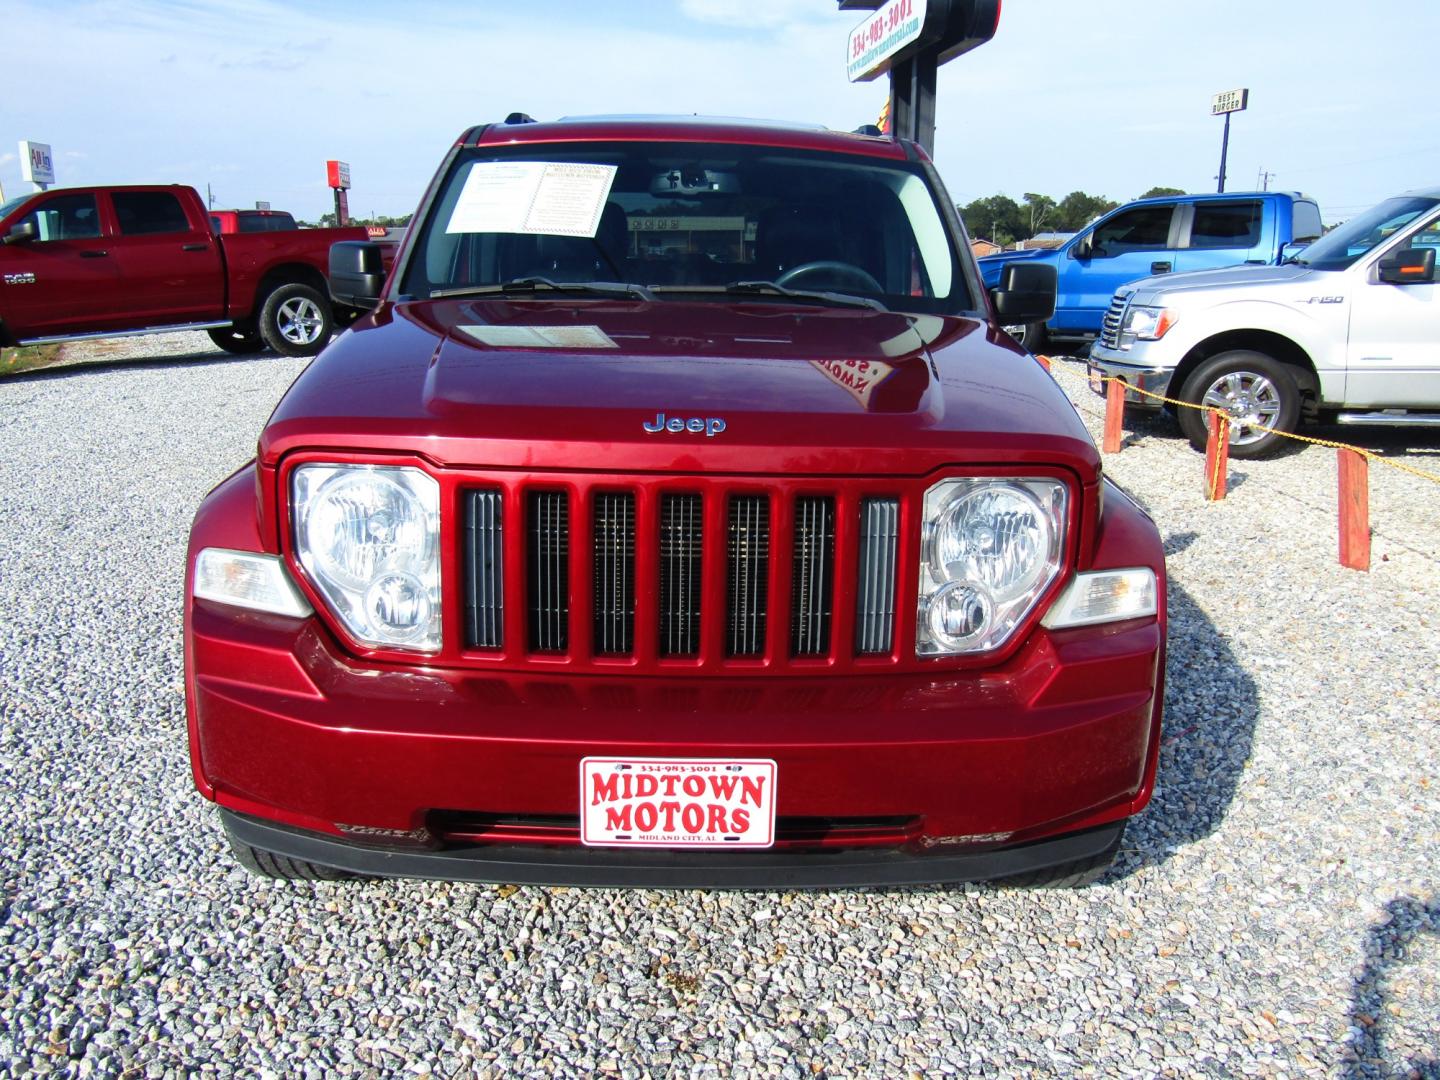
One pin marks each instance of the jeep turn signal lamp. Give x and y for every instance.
(1104, 596)
(248, 580)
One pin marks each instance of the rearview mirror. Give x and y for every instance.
(1408, 267)
(21, 233)
(357, 273)
(1026, 293)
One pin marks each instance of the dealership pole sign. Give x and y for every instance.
(1223, 104)
(36, 164)
(337, 175)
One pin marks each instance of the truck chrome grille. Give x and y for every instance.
(549, 571)
(654, 570)
(748, 575)
(681, 560)
(875, 591)
(1113, 320)
(613, 528)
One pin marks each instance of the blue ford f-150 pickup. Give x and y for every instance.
(1168, 234)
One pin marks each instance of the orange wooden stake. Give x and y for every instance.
(1354, 509)
(1044, 361)
(1217, 456)
(1114, 416)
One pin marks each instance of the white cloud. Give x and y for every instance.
(6, 159)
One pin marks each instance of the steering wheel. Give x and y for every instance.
(841, 270)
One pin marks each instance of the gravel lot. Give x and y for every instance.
(1275, 911)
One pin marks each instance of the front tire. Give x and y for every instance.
(296, 320)
(1257, 391)
(1033, 337)
(235, 340)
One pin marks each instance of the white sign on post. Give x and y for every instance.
(881, 36)
(36, 164)
(1229, 101)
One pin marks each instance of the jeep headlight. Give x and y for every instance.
(368, 538)
(1148, 323)
(990, 549)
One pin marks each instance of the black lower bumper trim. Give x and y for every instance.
(668, 869)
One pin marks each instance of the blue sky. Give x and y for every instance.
(1107, 97)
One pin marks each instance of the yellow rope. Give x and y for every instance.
(1369, 455)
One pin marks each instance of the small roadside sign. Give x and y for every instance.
(1228, 101)
(36, 163)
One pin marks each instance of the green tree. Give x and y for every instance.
(1078, 209)
(1157, 191)
(1040, 208)
(997, 217)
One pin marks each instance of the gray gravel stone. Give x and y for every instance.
(1274, 912)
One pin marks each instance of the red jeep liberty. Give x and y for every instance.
(678, 516)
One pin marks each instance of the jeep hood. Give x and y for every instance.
(596, 383)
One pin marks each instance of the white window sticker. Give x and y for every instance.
(549, 198)
(542, 337)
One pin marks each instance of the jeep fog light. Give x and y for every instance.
(990, 549)
(248, 580)
(368, 538)
(1104, 596)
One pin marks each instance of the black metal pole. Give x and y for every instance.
(912, 99)
(1224, 150)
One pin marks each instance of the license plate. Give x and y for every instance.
(677, 802)
(1096, 380)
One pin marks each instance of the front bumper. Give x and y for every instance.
(967, 770)
(612, 868)
(1134, 371)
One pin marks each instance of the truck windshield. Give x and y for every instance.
(684, 218)
(1342, 246)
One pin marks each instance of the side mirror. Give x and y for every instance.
(1081, 248)
(357, 273)
(1290, 250)
(1026, 293)
(1408, 267)
(22, 233)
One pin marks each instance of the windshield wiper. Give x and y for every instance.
(535, 284)
(769, 288)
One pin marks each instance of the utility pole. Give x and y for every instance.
(1263, 179)
(209, 198)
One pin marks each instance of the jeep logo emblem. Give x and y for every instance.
(709, 426)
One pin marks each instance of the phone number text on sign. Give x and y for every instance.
(883, 35)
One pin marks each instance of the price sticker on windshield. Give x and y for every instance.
(547, 198)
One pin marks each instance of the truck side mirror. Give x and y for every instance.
(1408, 267)
(21, 233)
(357, 273)
(1026, 293)
(1081, 248)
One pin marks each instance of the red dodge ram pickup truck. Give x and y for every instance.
(105, 261)
(679, 516)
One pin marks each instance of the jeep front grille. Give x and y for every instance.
(700, 574)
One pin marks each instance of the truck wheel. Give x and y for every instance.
(1071, 875)
(1032, 336)
(296, 320)
(1254, 389)
(270, 865)
(234, 340)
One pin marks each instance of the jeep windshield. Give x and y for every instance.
(689, 221)
(1343, 245)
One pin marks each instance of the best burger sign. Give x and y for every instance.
(673, 802)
